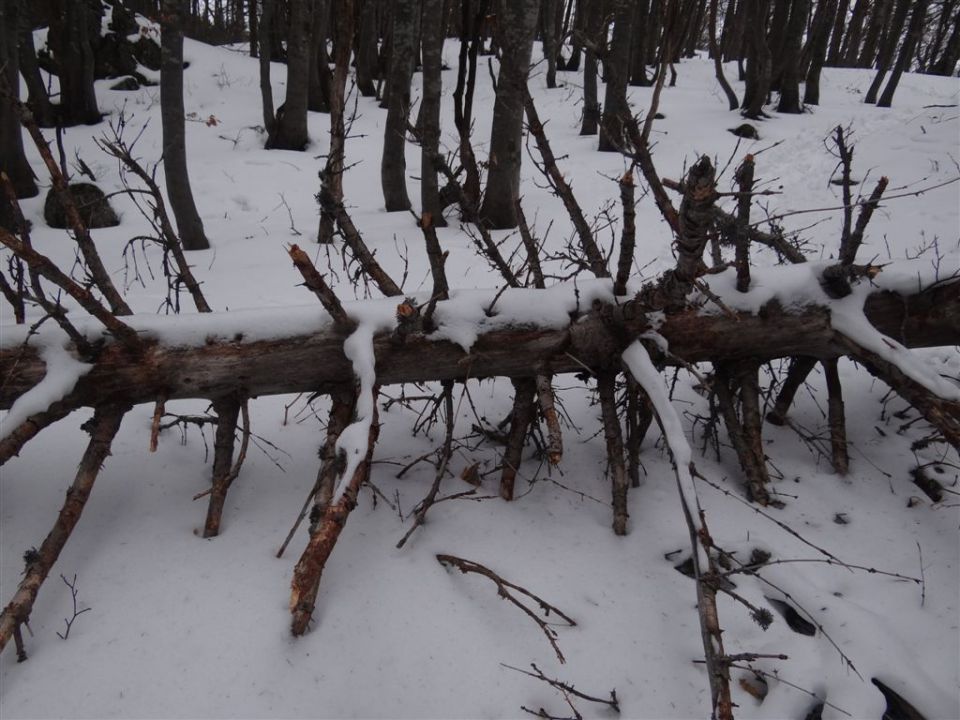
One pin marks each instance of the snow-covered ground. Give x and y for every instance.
(185, 627)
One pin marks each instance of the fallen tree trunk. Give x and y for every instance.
(315, 362)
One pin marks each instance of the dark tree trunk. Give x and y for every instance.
(878, 20)
(695, 30)
(13, 162)
(820, 34)
(717, 63)
(266, 54)
(37, 97)
(548, 17)
(947, 63)
(851, 43)
(290, 131)
(254, 28)
(888, 49)
(576, 46)
(790, 72)
(393, 166)
(836, 36)
(177, 179)
(431, 38)
(615, 71)
(470, 40)
(638, 50)
(518, 24)
(318, 93)
(367, 49)
(74, 28)
(758, 60)
(776, 39)
(907, 51)
(593, 22)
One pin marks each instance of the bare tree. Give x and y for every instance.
(290, 128)
(189, 224)
(393, 165)
(13, 161)
(518, 23)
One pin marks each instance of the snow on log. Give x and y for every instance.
(518, 333)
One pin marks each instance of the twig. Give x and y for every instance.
(612, 703)
(76, 613)
(504, 588)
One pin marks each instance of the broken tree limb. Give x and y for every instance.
(522, 416)
(606, 388)
(227, 410)
(314, 361)
(836, 418)
(11, 445)
(309, 569)
(104, 426)
(314, 282)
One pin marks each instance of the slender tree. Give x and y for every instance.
(431, 39)
(878, 20)
(518, 24)
(367, 49)
(836, 35)
(393, 166)
(172, 119)
(759, 62)
(888, 49)
(907, 50)
(638, 47)
(591, 105)
(548, 32)
(817, 51)
(318, 91)
(13, 162)
(947, 63)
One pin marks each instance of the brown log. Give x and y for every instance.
(315, 362)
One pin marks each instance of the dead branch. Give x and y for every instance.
(566, 688)
(309, 569)
(849, 253)
(744, 178)
(227, 410)
(549, 412)
(530, 245)
(595, 259)
(520, 420)
(504, 588)
(835, 418)
(103, 428)
(420, 513)
(606, 383)
(361, 252)
(11, 445)
(628, 235)
(314, 281)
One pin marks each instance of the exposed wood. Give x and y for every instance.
(315, 362)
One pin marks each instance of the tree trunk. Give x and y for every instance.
(615, 70)
(907, 52)
(367, 49)
(758, 61)
(888, 49)
(74, 28)
(37, 98)
(518, 24)
(878, 20)
(836, 36)
(638, 49)
(717, 63)
(318, 92)
(851, 43)
(790, 59)
(777, 39)
(13, 161)
(431, 38)
(947, 64)
(314, 361)
(393, 166)
(591, 105)
(189, 225)
(266, 54)
(820, 34)
(290, 131)
(548, 17)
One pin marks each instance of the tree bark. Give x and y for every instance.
(888, 49)
(907, 51)
(819, 35)
(314, 362)
(548, 17)
(851, 41)
(790, 59)
(318, 92)
(74, 28)
(367, 49)
(591, 104)
(290, 131)
(393, 166)
(431, 33)
(615, 71)
(878, 20)
(759, 61)
(732, 100)
(266, 54)
(37, 97)
(13, 161)
(836, 35)
(189, 224)
(518, 24)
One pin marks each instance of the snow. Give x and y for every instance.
(182, 627)
(62, 372)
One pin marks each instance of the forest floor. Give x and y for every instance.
(184, 627)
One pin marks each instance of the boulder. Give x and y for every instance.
(94, 208)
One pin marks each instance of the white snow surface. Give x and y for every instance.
(182, 627)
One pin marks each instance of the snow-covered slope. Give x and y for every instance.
(185, 627)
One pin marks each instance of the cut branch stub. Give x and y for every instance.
(315, 283)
